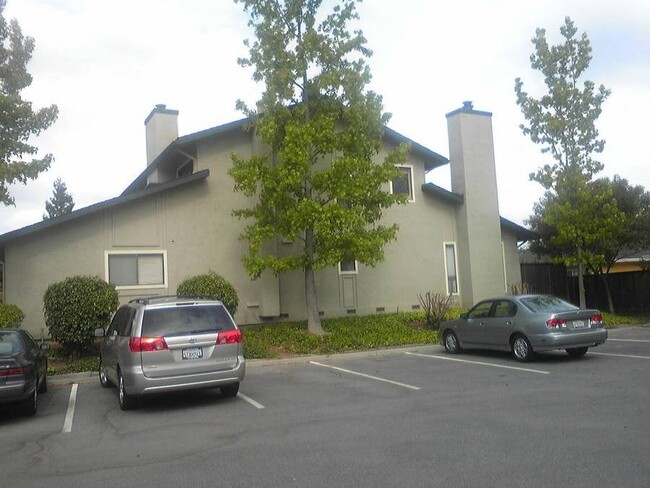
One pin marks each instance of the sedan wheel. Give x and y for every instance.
(522, 349)
(450, 340)
(31, 405)
(127, 402)
(577, 351)
(103, 379)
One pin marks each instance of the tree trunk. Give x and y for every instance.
(610, 302)
(311, 298)
(581, 282)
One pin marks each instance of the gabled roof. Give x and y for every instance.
(431, 159)
(522, 233)
(97, 207)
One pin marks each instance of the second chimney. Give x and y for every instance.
(161, 129)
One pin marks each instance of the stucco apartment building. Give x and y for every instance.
(175, 220)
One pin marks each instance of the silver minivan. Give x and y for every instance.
(163, 344)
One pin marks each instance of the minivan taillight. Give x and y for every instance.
(556, 323)
(147, 344)
(229, 337)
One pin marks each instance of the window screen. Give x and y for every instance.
(136, 269)
(450, 263)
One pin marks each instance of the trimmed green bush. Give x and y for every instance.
(10, 315)
(75, 307)
(213, 286)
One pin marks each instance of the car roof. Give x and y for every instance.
(162, 301)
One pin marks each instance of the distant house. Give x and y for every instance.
(175, 220)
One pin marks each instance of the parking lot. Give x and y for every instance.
(405, 417)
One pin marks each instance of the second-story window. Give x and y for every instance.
(404, 182)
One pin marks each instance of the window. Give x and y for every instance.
(504, 308)
(480, 311)
(451, 268)
(403, 184)
(185, 169)
(146, 269)
(348, 267)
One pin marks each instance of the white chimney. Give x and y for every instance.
(161, 129)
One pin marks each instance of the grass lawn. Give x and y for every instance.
(343, 334)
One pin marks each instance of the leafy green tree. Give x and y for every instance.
(562, 121)
(61, 202)
(18, 120)
(316, 181)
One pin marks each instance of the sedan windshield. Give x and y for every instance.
(547, 303)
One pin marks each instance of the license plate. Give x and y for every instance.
(579, 324)
(192, 353)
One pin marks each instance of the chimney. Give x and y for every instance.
(161, 129)
(473, 175)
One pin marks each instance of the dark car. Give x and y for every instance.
(524, 325)
(23, 369)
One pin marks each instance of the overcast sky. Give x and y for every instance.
(106, 64)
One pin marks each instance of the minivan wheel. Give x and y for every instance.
(229, 391)
(521, 349)
(103, 379)
(127, 402)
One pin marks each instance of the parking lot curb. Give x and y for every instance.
(90, 376)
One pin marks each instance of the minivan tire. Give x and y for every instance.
(127, 402)
(229, 391)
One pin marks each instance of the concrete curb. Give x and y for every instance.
(91, 376)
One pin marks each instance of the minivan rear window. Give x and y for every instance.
(182, 320)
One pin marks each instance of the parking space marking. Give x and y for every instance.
(618, 355)
(628, 340)
(250, 400)
(376, 378)
(69, 416)
(478, 363)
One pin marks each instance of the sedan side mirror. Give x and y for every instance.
(464, 316)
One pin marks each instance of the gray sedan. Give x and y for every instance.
(524, 325)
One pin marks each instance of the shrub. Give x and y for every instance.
(436, 307)
(10, 315)
(75, 307)
(210, 285)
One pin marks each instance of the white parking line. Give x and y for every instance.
(67, 424)
(478, 363)
(618, 355)
(250, 400)
(404, 385)
(628, 340)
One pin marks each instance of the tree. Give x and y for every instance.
(317, 182)
(18, 121)
(563, 122)
(61, 202)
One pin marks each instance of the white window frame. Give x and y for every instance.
(2, 282)
(355, 271)
(505, 271)
(444, 255)
(411, 196)
(163, 253)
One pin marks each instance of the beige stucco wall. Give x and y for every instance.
(194, 226)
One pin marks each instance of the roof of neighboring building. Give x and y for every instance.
(522, 233)
(113, 202)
